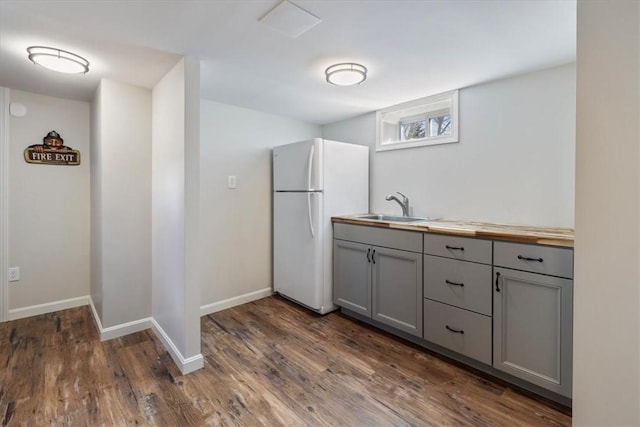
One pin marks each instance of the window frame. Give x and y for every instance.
(429, 107)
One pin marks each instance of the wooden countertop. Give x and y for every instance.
(516, 233)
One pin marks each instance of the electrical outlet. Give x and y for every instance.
(14, 274)
(231, 181)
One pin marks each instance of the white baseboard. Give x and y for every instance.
(187, 365)
(50, 307)
(120, 330)
(232, 302)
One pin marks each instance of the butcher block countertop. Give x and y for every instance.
(516, 233)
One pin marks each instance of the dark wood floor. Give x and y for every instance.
(266, 363)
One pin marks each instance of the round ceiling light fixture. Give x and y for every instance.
(346, 74)
(58, 60)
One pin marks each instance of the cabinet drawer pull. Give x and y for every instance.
(368, 251)
(457, 331)
(524, 258)
(497, 282)
(448, 282)
(454, 248)
(373, 256)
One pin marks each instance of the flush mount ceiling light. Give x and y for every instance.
(346, 74)
(58, 60)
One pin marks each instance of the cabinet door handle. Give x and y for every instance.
(524, 258)
(457, 331)
(448, 282)
(373, 256)
(454, 248)
(368, 250)
(498, 282)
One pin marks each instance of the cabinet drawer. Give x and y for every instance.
(395, 239)
(463, 284)
(462, 248)
(474, 337)
(537, 259)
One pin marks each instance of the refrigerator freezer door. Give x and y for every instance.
(297, 247)
(298, 166)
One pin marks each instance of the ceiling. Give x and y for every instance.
(412, 48)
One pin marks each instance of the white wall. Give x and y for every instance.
(4, 201)
(606, 388)
(193, 255)
(236, 223)
(175, 178)
(96, 202)
(48, 205)
(514, 162)
(121, 203)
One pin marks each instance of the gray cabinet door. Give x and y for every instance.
(352, 276)
(532, 328)
(397, 289)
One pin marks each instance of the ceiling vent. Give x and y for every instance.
(289, 19)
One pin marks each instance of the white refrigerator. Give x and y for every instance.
(313, 181)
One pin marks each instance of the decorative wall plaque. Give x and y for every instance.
(52, 152)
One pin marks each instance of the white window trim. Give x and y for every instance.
(433, 140)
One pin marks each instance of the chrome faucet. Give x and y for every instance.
(404, 204)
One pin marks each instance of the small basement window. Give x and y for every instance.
(412, 128)
(426, 121)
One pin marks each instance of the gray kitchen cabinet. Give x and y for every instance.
(460, 248)
(352, 276)
(378, 273)
(460, 330)
(457, 292)
(506, 305)
(397, 289)
(532, 327)
(459, 283)
(549, 260)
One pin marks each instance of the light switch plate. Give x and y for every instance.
(14, 274)
(231, 181)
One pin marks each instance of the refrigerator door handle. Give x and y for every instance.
(313, 234)
(309, 167)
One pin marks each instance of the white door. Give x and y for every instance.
(297, 247)
(298, 166)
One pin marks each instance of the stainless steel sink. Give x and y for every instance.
(391, 218)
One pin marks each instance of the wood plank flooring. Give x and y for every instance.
(268, 363)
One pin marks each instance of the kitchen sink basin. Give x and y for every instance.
(391, 218)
